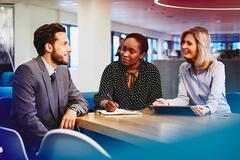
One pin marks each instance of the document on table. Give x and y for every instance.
(120, 112)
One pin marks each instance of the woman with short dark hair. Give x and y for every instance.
(130, 83)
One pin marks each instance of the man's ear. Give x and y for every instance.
(49, 47)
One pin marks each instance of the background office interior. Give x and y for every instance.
(94, 27)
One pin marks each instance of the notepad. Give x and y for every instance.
(120, 112)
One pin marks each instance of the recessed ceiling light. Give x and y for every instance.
(63, 4)
(120, 2)
(75, 4)
(67, 1)
(148, 9)
(2, 8)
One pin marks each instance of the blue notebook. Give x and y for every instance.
(173, 110)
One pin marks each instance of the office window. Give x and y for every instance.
(217, 46)
(152, 49)
(72, 33)
(171, 48)
(116, 43)
(235, 45)
(6, 38)
(115, 46)
(176, 42)
(220, 43)
(165, 45)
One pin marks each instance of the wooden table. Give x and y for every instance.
(141, 129)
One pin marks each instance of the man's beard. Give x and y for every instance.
(58, 59)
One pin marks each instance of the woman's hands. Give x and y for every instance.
(200, 110)
(160, 102)
(109, 105)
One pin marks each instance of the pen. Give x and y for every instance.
(110, 98)
(108, 95)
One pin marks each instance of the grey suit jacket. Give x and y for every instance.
(33, 112)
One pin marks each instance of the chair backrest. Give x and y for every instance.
(5, 92)
(233, 99)
(11, 145)
(5, 107)
(89, 96)
(6, 79)
(69, 144)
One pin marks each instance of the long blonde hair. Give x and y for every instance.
(204, 57)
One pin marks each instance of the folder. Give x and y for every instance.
(173, 110)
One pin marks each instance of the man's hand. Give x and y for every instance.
(68, 120)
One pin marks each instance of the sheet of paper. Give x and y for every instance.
(120, 112)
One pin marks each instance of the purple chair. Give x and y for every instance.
(233, 99)
(5, 107)
(5, 92)
(6, 79)
(11, 145)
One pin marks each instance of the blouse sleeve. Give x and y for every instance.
(155, 86)
(217, 87)
(182, 98)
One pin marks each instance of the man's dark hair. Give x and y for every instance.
(142, 40)
(46, 34)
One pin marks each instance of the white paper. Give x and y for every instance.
(120, 112)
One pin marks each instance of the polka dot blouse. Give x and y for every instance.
(114, 85)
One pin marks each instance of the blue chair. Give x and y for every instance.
(233, 99)
(64, 144)
(5, 107)
(6, 79)
(5, 92)
(89, 96)
(11, 145)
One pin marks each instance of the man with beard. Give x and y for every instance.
(44, 96)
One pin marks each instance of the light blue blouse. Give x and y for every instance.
(204, 88)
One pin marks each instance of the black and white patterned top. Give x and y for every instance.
(114, 84)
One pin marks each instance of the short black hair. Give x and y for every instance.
(46, 34)
(142, 40)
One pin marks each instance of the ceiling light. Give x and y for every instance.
(63, 4)
(194, 8)
(2, 8)
(148, 9)
(74, 4)
(120, 2)
(67, 1)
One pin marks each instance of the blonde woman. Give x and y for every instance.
(201, 79)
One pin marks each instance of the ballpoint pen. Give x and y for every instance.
(109, 96)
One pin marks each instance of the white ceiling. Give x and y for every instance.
(146, 14)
